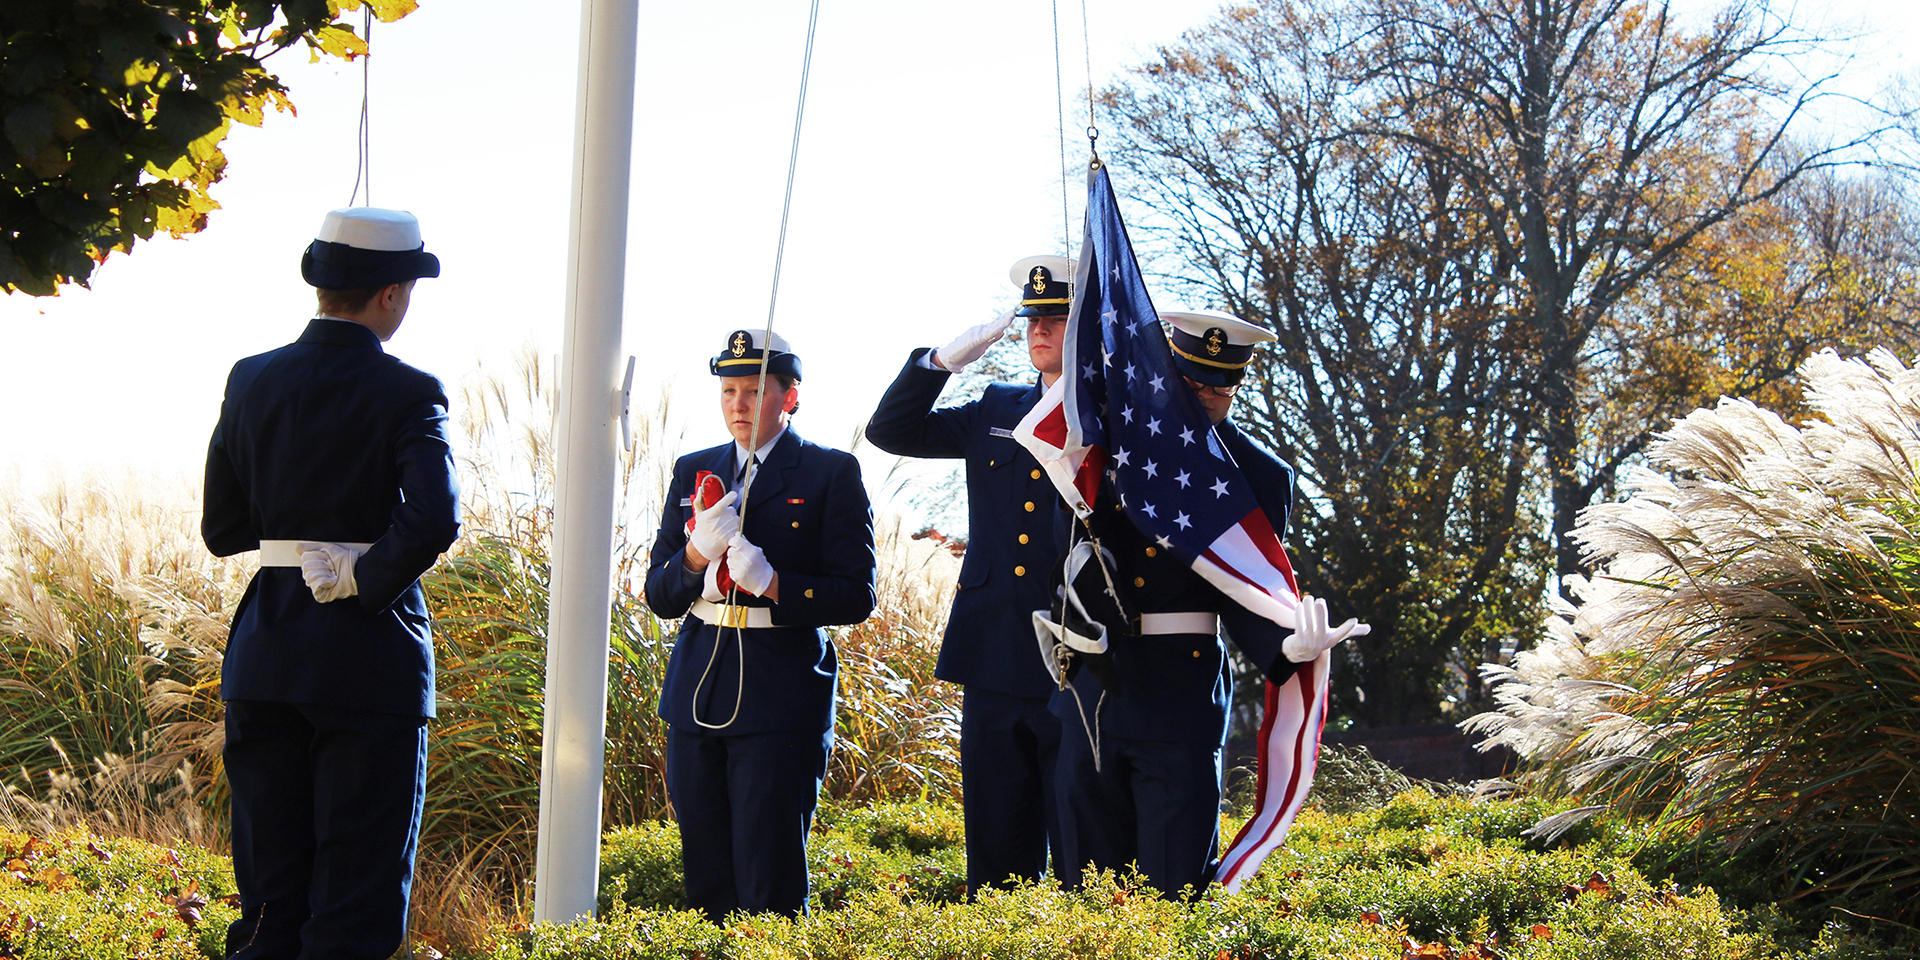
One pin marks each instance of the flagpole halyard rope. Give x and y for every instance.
(1060, 125)
(766, 348)
(1086, 50)
(363, 140)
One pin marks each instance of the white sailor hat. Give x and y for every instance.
(1211, 347)
(1046, 285)
(744, 350)
(360, 247)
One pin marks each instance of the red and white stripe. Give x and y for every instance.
(1248, 564)
(1074, 469)
(1289, 751)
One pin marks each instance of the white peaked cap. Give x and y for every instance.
(762, 338)
(1197, 322)
(371, 228)
(1060, 267)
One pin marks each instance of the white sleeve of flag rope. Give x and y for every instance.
(1289, 750)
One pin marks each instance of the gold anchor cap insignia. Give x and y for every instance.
(1216, 338)
(740, 343)
(1039, 279)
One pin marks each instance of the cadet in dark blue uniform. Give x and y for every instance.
(1140, 775)
(749, 690)
(331, 458)
(1008, 738)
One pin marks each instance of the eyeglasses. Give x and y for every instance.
(1198, 387)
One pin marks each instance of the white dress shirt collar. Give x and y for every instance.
(740, 451)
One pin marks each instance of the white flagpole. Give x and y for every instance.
(567, 866)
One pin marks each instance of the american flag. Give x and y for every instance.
(1122, 410)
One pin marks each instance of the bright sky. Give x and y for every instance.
(929, 164)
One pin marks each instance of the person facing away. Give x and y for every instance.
(763, 541)
(332, 459)
(1008, 738)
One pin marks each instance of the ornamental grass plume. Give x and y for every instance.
(897, 729)
(1745, 660)
(113, 617)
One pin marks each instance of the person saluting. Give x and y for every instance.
(1009, 741)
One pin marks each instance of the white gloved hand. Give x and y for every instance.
(714, 526)
(748, 566)
(971, 345)
(328, 570)
(1312, 638)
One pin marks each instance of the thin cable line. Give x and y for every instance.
(1060, 122)
(363, 145)
(1086, 53)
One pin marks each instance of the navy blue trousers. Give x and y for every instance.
(745, 805)
(326, 814)
(1153, 805)
(1009, 749)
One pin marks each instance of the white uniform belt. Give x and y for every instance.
(286, 553)
(1156, 624)
(732, 615)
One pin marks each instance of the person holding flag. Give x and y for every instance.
(1009, 740)
(764, 541)
(1178, 520)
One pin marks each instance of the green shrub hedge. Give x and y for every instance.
(1423, 875)
(916, 849)
(71, 896)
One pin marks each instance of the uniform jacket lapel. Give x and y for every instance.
(772, 475)
(1031, 397)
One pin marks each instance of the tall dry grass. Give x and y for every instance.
(114, 621)
(1746, 661)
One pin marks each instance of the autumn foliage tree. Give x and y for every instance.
(1391, 339)
(1501, 243)
(113, 113)
(1599, 140)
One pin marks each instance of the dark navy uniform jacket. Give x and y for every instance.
(328, 438)
(808, 512)
(1177, 687)
(1012, 538)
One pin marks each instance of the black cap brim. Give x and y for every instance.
(336, 266)
(1211, 376)
(1043, 310)
(783, 365)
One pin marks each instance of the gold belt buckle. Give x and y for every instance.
(733, 615)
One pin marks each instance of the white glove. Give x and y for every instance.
(748, 566)
(1312, 638)
(710, 584)
(971, 345)
(714, 526)
(328, 570)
